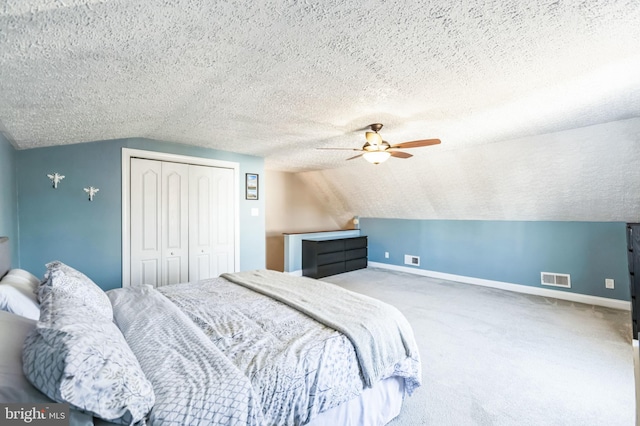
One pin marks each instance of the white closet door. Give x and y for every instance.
(146, 183)
(174, 256)
(211, 222)
(159, 222)
(224, 241)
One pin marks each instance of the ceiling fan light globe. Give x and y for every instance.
(376, 157)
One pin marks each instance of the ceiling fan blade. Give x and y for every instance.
(357, 156)
(417, 144)
(342, 149)
(400, 154)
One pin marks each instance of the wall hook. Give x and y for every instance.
(55, 178)
(91, 191)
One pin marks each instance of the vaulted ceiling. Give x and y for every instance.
(537, 103)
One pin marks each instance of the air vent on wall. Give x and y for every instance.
(557, 280)
(411, 260)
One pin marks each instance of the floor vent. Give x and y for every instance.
(556, 280)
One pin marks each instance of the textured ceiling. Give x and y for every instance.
(279, 78)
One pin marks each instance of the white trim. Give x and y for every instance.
(297, 273)
(518, 288)
(127, 154)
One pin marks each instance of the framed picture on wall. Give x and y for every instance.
(251, 186)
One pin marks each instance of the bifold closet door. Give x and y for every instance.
(159, 222)
(175, 223)
(211, 222)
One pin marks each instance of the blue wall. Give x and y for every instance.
(512, 252)
(8, 198)
(63, 225)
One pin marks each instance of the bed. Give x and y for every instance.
(251, 348)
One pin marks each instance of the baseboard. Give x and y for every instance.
(519, 288)
(297, 273)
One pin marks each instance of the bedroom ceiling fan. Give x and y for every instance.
(377, 151)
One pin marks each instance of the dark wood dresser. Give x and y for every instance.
(324, 257)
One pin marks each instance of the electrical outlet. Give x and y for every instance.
(609, 283)
(386, 254)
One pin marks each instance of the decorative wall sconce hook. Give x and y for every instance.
(91, 191)
(55, 178)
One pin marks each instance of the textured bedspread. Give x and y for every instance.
(364, 320)
(263, 362)
(193, 381)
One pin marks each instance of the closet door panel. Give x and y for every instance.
(203, 267)
(175, 223)
(145, 221)
(148, 273)
(211, 222)
(224, 242)
(223, 262)
(200, 218)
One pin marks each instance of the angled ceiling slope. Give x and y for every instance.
(585, 174)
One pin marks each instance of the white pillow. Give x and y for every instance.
(17, 294)
(20, 275)
(21, 284)
(17, 299)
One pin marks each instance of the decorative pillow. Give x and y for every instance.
(18, 299)
(14, 387)
(90, 367)
(77, 355)
(69, 296)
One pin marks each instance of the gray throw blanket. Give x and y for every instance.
(380, 334)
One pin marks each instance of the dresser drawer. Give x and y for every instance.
(352, 265)
(331, 269)
(326, 258)
(330, 246)
(355, 254)
(354, 243)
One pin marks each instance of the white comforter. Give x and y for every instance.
(219, 353)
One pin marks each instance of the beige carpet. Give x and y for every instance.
(493, 357)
